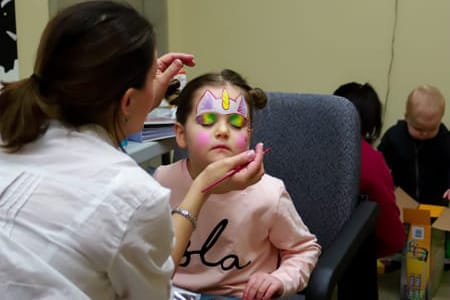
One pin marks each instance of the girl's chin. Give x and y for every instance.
(219, 155)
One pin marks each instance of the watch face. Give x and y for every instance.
(185, 213)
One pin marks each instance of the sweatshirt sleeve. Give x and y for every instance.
(379, 187)
(299, 250)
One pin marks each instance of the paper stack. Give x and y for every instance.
(158, 125)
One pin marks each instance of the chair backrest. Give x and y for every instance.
(315, 141)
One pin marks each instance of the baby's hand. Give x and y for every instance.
(446, 195)
(262, 286)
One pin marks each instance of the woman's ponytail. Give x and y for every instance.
(22, 119)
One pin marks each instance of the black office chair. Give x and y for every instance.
(315, 141)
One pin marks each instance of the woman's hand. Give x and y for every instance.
(249, 175)
(262, 286)
(168, 66)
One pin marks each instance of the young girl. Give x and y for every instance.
(252, 243)
(375, 178)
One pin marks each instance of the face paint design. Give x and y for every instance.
(202, 139)
(221, 105)
(242, 141)
(206, 119)
(221, 125)
(237, 121)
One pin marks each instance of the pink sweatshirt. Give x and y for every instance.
(240, 233)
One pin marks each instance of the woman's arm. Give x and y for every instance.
(195, 198)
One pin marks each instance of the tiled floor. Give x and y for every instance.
(389, 286)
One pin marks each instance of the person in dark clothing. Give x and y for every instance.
(417, 149)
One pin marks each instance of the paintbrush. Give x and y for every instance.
(229, 174)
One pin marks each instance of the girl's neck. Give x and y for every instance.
(193, 169)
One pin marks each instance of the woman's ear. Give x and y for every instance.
(127, 103)
(180, 135)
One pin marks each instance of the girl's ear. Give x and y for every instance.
(250, 131)
(180, 135)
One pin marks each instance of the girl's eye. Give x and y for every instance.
(237, 121)
(206, 119)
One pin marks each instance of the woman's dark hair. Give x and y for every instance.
(88, 56)
(366, 101)
(255, 97)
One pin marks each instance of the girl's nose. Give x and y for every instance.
(222, 129)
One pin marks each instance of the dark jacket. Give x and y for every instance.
(421, 168)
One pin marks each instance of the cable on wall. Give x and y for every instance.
(394, 31)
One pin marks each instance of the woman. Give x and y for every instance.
(88, 220)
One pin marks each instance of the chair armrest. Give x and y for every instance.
(335, 259)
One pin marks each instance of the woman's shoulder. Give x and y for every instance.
(138, 183)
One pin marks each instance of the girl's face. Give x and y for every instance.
(217, 127)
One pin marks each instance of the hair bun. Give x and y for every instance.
(258, 97)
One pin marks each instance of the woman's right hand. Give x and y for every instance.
(249, 175)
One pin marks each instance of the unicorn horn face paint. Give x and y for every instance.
(210, 106)
(223, 104)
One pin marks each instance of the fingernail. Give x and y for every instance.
(178, 62)
(251, 154)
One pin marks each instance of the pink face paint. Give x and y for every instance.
(203, 139)
(242, 141)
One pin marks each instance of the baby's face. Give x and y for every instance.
(423, 125)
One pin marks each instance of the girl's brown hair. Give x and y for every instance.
(255, 97)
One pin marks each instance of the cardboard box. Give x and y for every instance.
(424, 253)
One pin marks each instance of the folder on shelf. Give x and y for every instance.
(157, 125)
(153, 132)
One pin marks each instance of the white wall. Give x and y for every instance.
(297, 45)
(31, 17)
(314, 46)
